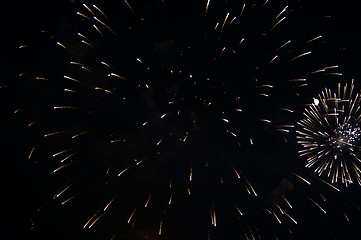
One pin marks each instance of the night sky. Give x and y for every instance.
(147, 120)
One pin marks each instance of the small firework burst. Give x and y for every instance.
(330, 134)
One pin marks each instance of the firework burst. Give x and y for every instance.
(330, 135)
(161, 114)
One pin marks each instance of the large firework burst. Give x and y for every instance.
(156, 113)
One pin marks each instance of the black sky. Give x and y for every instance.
(29, 184)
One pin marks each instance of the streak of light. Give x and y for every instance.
(31, 152)
(137, 163)
(224, 22)
(61, 45)
(123, 171)
(102, 89)
(314, 202)
(147, 203)
(160, 227)
(274, 214)
(62, 191)
(287, 110)
(61, 167)
(61, 152)
(242, 10)
(330, 185)
(238, 176)
(64, 107)
(331, 67)
(283, 45)
(274, 58)
(91, 225)
(301, 55)
(283, 10)
(213, 215)
(279, 208)
(240, 42)
(53, 133)
(170, 199)
(160, 141)
(277, 23)
(288, 203)
(107, 206)
(239, 211)
(79, 134)
(130, 7)
(317, 71)
(250, 185)
(116, 75)
(72, 79)
(67, 200)
(207, 8)
(324, 199)
(267, 210)
(91, 218)
(298, 80)
(139, 60)
(293, 220)
(232, 133)
(346, 217)
(131, 215)
(117, 140)
(98, 30)
(190, 175)
(99, 10)
(88, 9)
(266, 120)
(106, 64)
(66, 158)
(303, 179)
(42, 78)
(224, 48)
(335, 74)
(314, 39)
(215, 27)
(105, 25)
(69, 90)
(88, 43)
(233, 19)
(83, 15)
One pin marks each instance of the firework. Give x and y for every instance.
(162, 119)
(330, 134)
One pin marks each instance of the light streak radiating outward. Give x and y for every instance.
(329, 135)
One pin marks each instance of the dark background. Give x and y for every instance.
(25, 186)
